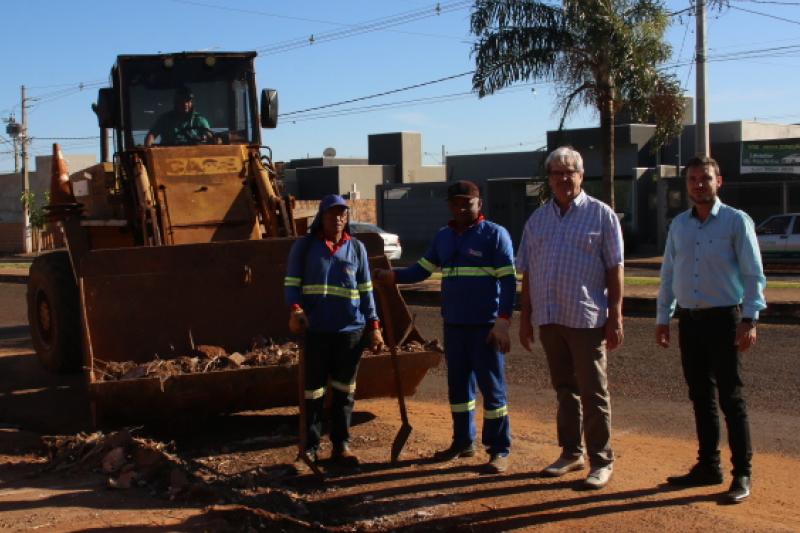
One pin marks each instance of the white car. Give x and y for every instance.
(790, 159)
(391, 242)
(779, 237)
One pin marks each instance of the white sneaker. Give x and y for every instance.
(598, 477)
(564, 465)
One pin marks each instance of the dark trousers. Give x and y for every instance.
(333, 356)
(711, 366)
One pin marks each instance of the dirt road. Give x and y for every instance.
(246, 460)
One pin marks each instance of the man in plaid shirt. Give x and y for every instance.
(571, 257)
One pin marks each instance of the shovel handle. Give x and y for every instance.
(391, 341)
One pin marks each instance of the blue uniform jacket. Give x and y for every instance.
(478, 277)
(334, 289)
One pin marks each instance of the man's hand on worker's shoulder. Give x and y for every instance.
(298, 321)
(383, 275)
(499, 335)
(376, 340)
(614, 331)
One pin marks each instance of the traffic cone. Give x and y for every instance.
(60, 187)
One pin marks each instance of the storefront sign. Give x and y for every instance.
(774, 157)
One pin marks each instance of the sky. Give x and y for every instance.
(62, 51)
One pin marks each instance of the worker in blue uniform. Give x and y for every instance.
(329, 293)
(478, 288)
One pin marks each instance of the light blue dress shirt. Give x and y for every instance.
(716, 263)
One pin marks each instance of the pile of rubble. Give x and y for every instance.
(207, 358)
(204, 358)
(127, 461)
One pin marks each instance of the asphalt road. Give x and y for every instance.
(648, 392)
(647, 387)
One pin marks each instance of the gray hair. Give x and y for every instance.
(564, 155)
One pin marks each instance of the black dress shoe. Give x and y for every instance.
(739, 490)
(699, 476)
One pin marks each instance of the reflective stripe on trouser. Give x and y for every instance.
(333, 356)
(473, 363)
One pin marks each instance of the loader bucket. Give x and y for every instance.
(139, 304)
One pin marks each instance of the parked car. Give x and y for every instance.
(779, 237)
(791, 159)
(391, 242)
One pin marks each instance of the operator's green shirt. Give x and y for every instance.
(179, 128)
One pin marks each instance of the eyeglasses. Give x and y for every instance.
(567, 173)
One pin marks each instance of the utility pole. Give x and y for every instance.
(701, 90)
(27, 241)
(444, 158)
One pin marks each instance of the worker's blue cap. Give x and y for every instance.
(332, 200)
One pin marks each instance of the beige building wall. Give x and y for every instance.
(39, 184)
(364, 178)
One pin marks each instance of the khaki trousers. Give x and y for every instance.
(577, 361)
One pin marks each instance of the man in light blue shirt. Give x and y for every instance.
(712, 269)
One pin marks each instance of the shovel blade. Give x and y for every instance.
(400, 441)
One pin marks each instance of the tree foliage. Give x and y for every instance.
(600, 53)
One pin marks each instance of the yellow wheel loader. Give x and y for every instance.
(180, 238)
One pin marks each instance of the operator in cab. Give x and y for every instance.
(182, 125)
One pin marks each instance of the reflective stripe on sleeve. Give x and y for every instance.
(427, 265)
(349, 388)
(314, 394)
(365, 287)
(496, 413)
(463, 407)
(290, 281)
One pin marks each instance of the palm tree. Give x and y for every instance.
(601, 53)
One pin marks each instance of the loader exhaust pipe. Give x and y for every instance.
(104, 156)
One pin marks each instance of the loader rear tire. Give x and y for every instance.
(54, 313)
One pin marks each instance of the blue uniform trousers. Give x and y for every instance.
(472, 361)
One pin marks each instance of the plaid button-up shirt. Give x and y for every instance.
(566, 258)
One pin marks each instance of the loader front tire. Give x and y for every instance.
(54, 313)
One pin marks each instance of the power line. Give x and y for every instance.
(376, 95)
(366, 27)
(404, 103)
(771, 2)
(765, 15)
(65, 138)
(305, 19)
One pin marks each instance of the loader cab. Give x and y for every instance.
(145, 88)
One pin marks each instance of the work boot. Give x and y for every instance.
(700, 475)
(300, 464)
(454, 452)
(344, 457)
(498, 463)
